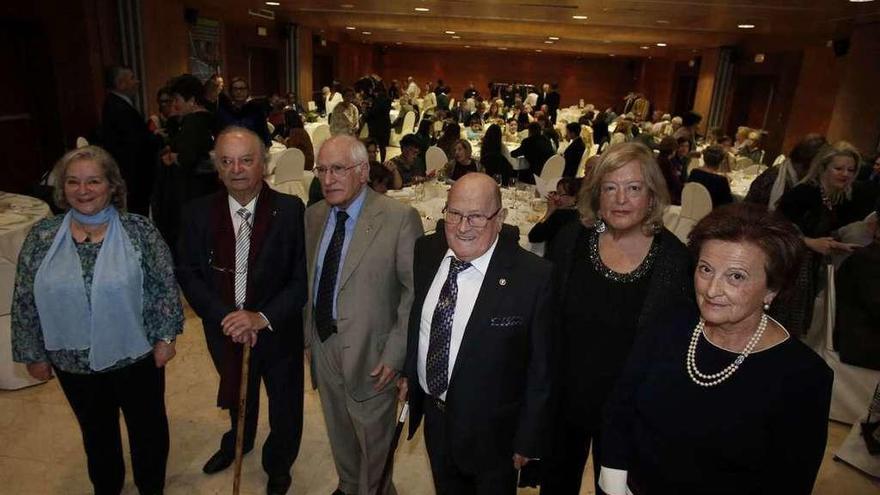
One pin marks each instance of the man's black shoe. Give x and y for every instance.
(278, 484)
(218, 462)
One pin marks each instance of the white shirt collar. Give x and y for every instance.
(234, 206)
(481, 263)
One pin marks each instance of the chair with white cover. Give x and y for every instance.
(271, 128)
(365, 131)
(779, 159)
(312, 106)
(435, 159)
(321, 134)
(81, 142)
(451, 103)
(742, 162)
(696, 203)
(289, 172)
(409, 121)
(553, 168)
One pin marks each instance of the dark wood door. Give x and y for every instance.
(263, 64)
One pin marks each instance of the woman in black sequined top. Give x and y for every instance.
(614, 271)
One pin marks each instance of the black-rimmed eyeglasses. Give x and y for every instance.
(477, 220)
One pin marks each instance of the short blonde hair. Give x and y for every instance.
(823, 160)
(101, 158)
(615, 158)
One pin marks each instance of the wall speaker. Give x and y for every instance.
(840, 47)
(191, 16)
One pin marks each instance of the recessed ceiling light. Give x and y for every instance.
(612, 55)
(539, 51)
(861, 1)
(366, 32)
(579, 17)
(398, 43)
(548, 42)
(662, 21)
(350, 28)
(606, 41)
(645, 47)
(449, 32)
(746, 26)
(347, 6)
(554, 38)
(422, 9)
(467, 46)
(502, 48)
(456, 37)
(661, 44)
(273, 4)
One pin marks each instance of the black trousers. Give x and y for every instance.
(565, 468)
(283, 380)
(139, 391)
(449, 479)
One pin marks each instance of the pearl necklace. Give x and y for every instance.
(713, 379)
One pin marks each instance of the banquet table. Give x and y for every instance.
(18, 214)
(523, 209)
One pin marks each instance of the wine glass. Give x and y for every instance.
(512, 184)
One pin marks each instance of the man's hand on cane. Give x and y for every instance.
(242, 326)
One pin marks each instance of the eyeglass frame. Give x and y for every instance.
(340, 171)
(447, 211)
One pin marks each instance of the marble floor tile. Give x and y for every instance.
(41, 447)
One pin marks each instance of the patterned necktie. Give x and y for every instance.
(437, 365)
(327, 285)
(242, 248)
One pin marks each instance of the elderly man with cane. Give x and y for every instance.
(242, 269)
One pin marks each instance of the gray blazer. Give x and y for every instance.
(375, 290)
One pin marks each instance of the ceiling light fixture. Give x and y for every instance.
(449, 32)
(612, 55)
(502, 48)
(548, 42)
(662, 21)
(350, 28)
(645, 47)
(422, 9)
(467, 46)
(456, 37)
(366, 32)
(273, 4)
(398, 42)
(661, 44)
(347, 6)
(554, 38)
(861, 1)
(746, 26)
(539, 51)
(579, 17)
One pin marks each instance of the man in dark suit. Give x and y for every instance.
(378, 121)
(478, 349)
(552, 101)
(242, 268)
(125, 135)
(537, 149)
(575, 150)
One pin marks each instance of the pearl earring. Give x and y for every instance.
(766, 307)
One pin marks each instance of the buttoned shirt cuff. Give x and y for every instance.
(613, 481)
(268, 323)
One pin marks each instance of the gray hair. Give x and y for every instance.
(101, 158)
(357, 152)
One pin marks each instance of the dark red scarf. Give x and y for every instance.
(223, 248)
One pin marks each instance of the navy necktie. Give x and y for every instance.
(327, 285)
(437, 363)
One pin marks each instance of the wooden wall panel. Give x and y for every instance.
(814, 96)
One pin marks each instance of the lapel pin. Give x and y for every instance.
(502, 282)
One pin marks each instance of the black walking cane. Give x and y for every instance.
(395, 439)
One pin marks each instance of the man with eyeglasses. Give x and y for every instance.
(478, 349)
(241, 266)
(359, 246)
(240, 110)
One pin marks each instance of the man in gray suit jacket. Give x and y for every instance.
(359, 248)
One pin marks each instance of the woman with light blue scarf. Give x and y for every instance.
(96, 303)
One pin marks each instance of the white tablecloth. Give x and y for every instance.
(17, 215)
(740, 184)
(523, 210)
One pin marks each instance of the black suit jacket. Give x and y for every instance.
(573, 155)
(277, 283)
(536, 149)
(497, 403)
(552, 101)
(125, 135)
